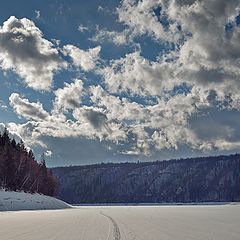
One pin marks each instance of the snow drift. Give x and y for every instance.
(14, 201)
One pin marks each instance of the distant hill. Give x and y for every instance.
(202, 179)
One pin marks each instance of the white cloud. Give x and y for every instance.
(155, 126)
(28, 132)
(141, 18)
(3, 105)
(138, 75)
(100, 8)
(29, 110)
(209, 58)
(116, 108)
(48, 153)
(118, 38)
(24, 51)
(12, 134)
(82, 28)
(97, 125)
(69, 97)
(206, 62)
(86, 60)
(38, 14)
(141, 129)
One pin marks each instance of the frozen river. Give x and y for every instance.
(220, 222)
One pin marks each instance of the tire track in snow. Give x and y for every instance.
(116, 231)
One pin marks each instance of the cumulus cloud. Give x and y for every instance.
(140, 18)
(29, 110)
(209, 58)
(69, 97)
(86, 60)
(24, 50)
(92, 115)
(151, 126)
(83, 121)
(12, 134)
(136, 74)
(27, 132)
(146, 17)
(118, 38)
(167, 124)
(216, 129)
(141, 129)
(116, 108)
(199, 73)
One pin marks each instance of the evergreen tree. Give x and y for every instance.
(20, 171)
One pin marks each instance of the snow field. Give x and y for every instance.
(214, 222)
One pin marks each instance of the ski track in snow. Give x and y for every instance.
(116, 231)
(124, 223)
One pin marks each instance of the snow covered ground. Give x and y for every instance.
(14, 201)
(220, 222)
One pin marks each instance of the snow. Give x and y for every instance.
(215, 222)
(14, 201)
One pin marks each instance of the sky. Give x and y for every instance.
(113, 81)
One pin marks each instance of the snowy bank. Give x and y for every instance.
(14, 201)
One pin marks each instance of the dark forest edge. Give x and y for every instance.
(19, 171)
(202, 179)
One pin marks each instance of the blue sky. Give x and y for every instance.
(100, 81)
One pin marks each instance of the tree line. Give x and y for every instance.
(202, 179)
(19, 171)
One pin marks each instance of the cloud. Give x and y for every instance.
(69, 97)
(12, 134)
(24, 51)
(151, 127)
(117, 108)
(48, 153)
(138, 75)
(3, 105)
(206, 58)
(38, 14)
(216, 129)
(146, 18)
(27, 132)
(92, 115)
(141, 129)
(118, 38)
(31, 111)
(86, 60)
(100, 8)
(82, 28)
(205, 54)
(146, 106)
(96, 118)
(83, 121)
(210, 57)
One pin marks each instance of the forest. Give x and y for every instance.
(19, 170)
(203, 179)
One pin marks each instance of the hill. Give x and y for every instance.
(204, 179)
